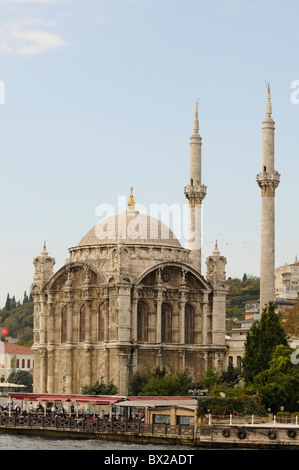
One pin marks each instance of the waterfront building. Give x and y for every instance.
(14, 357)
(130, 297)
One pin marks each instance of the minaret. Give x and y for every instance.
(268, 181)
(195, 192)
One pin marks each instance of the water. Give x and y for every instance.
(22, 442)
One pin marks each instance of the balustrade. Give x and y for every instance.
(94, 425)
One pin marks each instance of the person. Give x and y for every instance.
(53, 410)
(102, 414)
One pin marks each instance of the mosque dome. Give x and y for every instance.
(130, 228)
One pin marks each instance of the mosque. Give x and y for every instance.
(130, 297)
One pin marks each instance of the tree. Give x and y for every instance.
(99, 389)
(231, 375)
(22, 377)
(163, 384)
(25, 299)
(261, 340)
(279, 384)
(138, 381)
(7, 303)
(13, 362)
(211, 378)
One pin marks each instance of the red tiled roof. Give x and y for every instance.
(12, 348)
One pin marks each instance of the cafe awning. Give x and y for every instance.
(95, 399)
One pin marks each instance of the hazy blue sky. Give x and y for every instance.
(100, 95)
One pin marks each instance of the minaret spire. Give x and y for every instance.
(195, 192)
(268, 180)
(195, 122)
(268, 104)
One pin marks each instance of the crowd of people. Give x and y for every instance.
(59, 411)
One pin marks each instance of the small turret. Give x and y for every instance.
(43, 270)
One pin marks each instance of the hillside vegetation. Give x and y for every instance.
(17, 317)
(240, 292)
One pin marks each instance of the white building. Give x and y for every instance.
(287, 281)
(10, 352)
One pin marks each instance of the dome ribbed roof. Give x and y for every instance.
(130, 228)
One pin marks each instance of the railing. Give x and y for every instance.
(287, 419)
(96, 425)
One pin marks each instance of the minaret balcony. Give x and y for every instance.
(268, 180)
(196, 192)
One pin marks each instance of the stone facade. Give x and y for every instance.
(128, 298)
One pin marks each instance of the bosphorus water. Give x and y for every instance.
(22, 442)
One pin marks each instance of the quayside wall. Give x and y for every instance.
(263, 435)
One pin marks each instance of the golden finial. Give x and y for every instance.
(196, 106)
(131, 202)
(44, 252)
(216, 251)
(268, 87)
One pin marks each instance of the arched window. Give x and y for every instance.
(63, 324)
(18, 363)
(142, 322)
(23, 363)
(101, 322)
(166, 324)
(82, 323)
(189, 324)
(28, 363)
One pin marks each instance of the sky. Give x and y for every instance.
(97, 96)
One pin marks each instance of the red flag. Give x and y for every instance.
(4, 331)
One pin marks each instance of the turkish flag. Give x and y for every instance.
(4, 331)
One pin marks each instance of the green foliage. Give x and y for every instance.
(279, 384)
(99, 389)
(245, 405)
(162, 384)
(138, 381)
(18, 319)
(213, 380)
(247, 289)
(261, 340)
(231, 376)
(21, 377)
(240, 291)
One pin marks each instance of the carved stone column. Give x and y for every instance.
(87, 361)
(183, 294)
(134, 314)
(50, 348)
(43, 370)
(50, 386)
(205, 320)
(159, 301)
